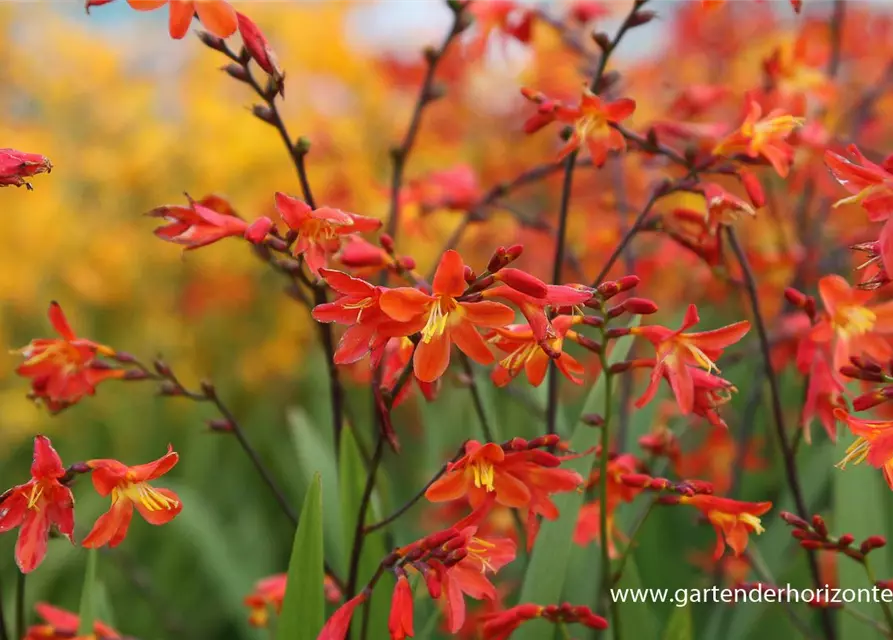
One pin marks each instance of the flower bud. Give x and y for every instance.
(358, 253)
(794, 520)
(593, 420)
(753, 187)
(845, 540)
(796, 297)
(588, 343)
(257, 231)
(523, 282)
(617, 332)
(135, 375)
(438, 539)
(469, 275)
(549, 440)
(236, 71)
(263, 112)
(208, 39)
(812, 545)
(602, 39)
(640, 306)
(220, 425)
(640, 18)
(257, 46)
(516, 444)
(168, 388)
(455, 557)
(544, 458)
(818, 524)
(387, 243)
(871, 399)
(871, 543)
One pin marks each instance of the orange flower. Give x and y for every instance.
(443, 319)
(591, 121)
(205, 222)
(588, 527)
(63, 371)
(16, 166)
(129, 488)
(397, 354)
(525, 353)
(63, 625)
(519, 479)
(733, 520)
(763, 136)
(400, 618)
(337, 625)
(319, 230)
(824, 393)
(37, 505)
(874, 443)
(851, 326)
(871, 184)
(505, 16)
(217, 16)
(676, 351)
(534, 309)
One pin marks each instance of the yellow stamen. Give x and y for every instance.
(438, 317)
(855, 453)
(753, 521)
(853, 321)
(361, 305)
(149, 497)
(484, 475)
(36, 492)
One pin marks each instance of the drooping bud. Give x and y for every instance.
(523, 282)
(818, 524)
(753, 187)
(640, 306)
(387, 243)
(259, 48)
(263, 112)
(236, 71)
(257, 231)
(871, 543)
(794, 520)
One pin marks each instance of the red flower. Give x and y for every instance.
(16, 166)
(469, 575)
(205, 222)
(591, 121)
(64, 370)
(397, 354)
(337, 625)
(319, 230)
(870, 184)
(676, 351)
(63, 625)
(525, 353)
(454, 188)
(443, 319)
(519, 479)
(733, 520)
(217, 16)
(257, 45)
(874, 443)
(824, 394)
(504, 16)
(269, 592)
(400, 618)
(37, 505)
(763, 136)
(129, 488)
(534, 308)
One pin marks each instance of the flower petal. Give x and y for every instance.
(432, 358)
(449, 279)
(404, 303)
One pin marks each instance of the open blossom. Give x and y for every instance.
(37, 505)
(59, 624)
(319, 230)
(217, 16)
(677, 352)
(17, 166)
(400, 618)
(873, 444)
(591, 121)
(870, 184)
(721, 208)
(733, 520)
(534, 309)
(269, 592)
(337, 625)
(520, 479)
(443, 319)
(454, 188)
(525, 353)
(129, 487)
(506, 17)
(205, 222)
(397, 354)
(850, 324)
(63, 370)
(763, 136)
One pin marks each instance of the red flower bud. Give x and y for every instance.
(544, 458)
(845, 540)
(258, 230)
(549, 440)
(617, 332)
(256, 44)
(640, 306)
(516, 444)
(358, 253)
(387, 243)
(16, 166)
(812, 545)
(433, 579)
(796, 297)
(523, 282)
(868, 400)
(754, 188)
(469, 275)
(593, 420)
(818, 523)
(871, 543)
(221, 425)
(640, 18)
(437, 539)
(407, 263)
(455, 557)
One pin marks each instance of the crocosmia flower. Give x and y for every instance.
(443, 319)
(526, 353)
(59, 624)
(733, 520)
(591, 121)
(129, 487)
(37, 505)
(319, 230)
(678, 351)
(217, 16)
(520, 479)
(870, 184)
(763, 136)
(873, 444)
(205, 222)
(400, 618)
(337, 625)
(16, 166)
(65, 369)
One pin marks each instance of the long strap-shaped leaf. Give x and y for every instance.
(303, 608)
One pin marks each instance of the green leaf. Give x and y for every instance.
(316, 454)
(88, 595)
(679, 627)
(545, 575)
(303, 607)
(352, 482)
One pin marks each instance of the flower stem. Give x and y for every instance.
(885, 606)
(4, 634)
(20, 606)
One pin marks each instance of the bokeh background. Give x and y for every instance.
(131, 120)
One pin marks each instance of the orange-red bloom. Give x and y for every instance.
(400, 618)
(205, 222)
(507, 17)
(591, 120)
(443, 319)
(678, 351)
(733, 520)
(129, 488)
(534, 309)
(520, 479)
(268, 595)
(870, 184)
(874, 443)
(763, 136)
(259, 48)
(63, 370)
(60, 624)
(337, 625)
(217, 16)
(852, 326)
(37, 505)
(501, 624)
(525, 353)
(16, 166)
(319, 230)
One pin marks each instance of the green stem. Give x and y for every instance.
(637, 527)
(871, 622)
(20, 606)
(885, 606)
